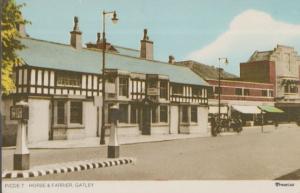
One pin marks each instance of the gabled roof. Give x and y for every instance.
(207, 72)
(260, 56)
(127, 51)
(58, 56)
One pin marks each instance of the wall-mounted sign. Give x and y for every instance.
(19, 112)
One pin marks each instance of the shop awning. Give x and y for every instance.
(270, 109)
(247, 109)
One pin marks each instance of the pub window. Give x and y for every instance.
(264, 93)
(134, 116)
(123, 86)
(68, 79)
(177, 90)
(184, 113)
(154, 114)
(246, 92)
(60, 112)
(76, 112)
(164, 113)
(194, 114)
(238, 91)
(123, 110)
(163, 89)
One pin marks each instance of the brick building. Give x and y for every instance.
(280, 67)
(236, 94)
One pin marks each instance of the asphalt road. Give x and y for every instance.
(248, 156)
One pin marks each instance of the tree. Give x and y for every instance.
(11, 19)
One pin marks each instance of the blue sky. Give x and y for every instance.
(202, 30)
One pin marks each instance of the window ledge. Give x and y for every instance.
(127, 125)
(75, 126)
(72, 126)
(189, 124)
(161, 124)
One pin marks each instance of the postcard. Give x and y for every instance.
(147, 96)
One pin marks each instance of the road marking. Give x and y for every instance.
(66, 167)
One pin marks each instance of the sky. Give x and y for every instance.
(200, 30)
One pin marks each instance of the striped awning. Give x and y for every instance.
(245, 109)
(270, 109)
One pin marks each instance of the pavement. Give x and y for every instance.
(122, 140)
(133, 139)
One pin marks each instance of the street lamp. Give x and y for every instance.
(225, 60)
(114, 20)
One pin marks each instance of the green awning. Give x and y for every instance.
(270, 109)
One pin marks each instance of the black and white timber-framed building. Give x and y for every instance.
(62, 85)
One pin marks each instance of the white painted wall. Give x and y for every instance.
(128, 130)
(39, 120)
(174, 119)
(203, 120)
(159, 129)
(90, 118)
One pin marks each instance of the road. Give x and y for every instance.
(248, 156)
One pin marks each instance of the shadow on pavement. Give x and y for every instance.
(295, 175)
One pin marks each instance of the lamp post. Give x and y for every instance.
(114, 20)
(219, 92)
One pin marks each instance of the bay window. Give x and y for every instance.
(76, 112)
(194, 114)
(184, 114)
(164, 113)
(123, 110)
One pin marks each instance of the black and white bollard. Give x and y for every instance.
(113, 150)
(20, 112)
(21, 155)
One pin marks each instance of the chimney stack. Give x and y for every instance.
(76, 35)
(171, 59)
(21, 29)
(146, 47)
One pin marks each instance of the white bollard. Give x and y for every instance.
(113, 150)
(21, 154)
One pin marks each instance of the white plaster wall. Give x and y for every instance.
(39, 120)
(128, 131)
(203, 120)
(159, 129)
(75, 133)
(174, 119)
(90, 118)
